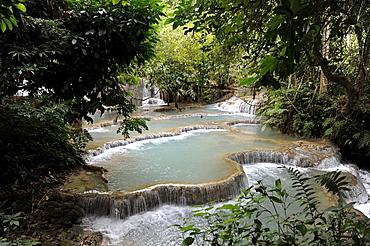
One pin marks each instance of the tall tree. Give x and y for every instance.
(284, 38)
(189, 64)
(176, 68)
(279, 34)
(80, 56)
(67, 62)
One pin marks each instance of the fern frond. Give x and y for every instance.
(305, 191)
(333, 182)
(328, 121)
(328, 132)
(364, 140)
(356, 136)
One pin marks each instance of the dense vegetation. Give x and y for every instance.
(189, 67)
(38, 140)
(312, 55)
(263, 215)
(61, 62)
(310, 58)
(72, 55)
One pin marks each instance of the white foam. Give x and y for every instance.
(358, 194)
(153, 102)
(98, 129)
(141, 229)
(364, 208)
(237, 105)
(96, 192)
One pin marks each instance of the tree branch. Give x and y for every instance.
(363, 60)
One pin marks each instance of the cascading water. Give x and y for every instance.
(144, 96)
(156, 227)
(125, 205)
(141, 216)
(358, 188)
(238, 105)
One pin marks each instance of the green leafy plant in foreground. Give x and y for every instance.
(262, 216)
(10, 222)
(17, 242)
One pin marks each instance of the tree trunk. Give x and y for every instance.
(349, 101)
(364, 49)
(325, 53)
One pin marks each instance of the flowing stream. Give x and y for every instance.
(191, 157)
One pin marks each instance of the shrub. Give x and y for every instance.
(307, 113)
(35, 139)
(260, 216)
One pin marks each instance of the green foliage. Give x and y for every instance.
(132, 124)
(291, 111)
(36, 140)
(261, 216)
(174, 77)
(10, 221)
(17, 242)
(363, 140)
(279, 35)
(191, 65)
(80, 57)
(303, 111)
(177, 67)
(10, 14)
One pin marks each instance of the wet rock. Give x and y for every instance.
(73, 216)
(68, 198)
(61, 209)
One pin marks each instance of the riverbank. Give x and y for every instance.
(40, 212)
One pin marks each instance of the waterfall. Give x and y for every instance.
(357, 192)
(328, 163)
(271, 157)
(245, 121)
(123, 205)
(238, 105)
(119, 143)
(127, 204)
(153, 101)
(142, 95)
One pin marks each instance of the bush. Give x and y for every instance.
(35, 140)
(260, 216)
(307, 113)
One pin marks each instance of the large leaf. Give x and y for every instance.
(249, 81)
(2, 25)
(187, 241)
(268, 65)
(302, 229)
(275, 199)
(21, 7)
